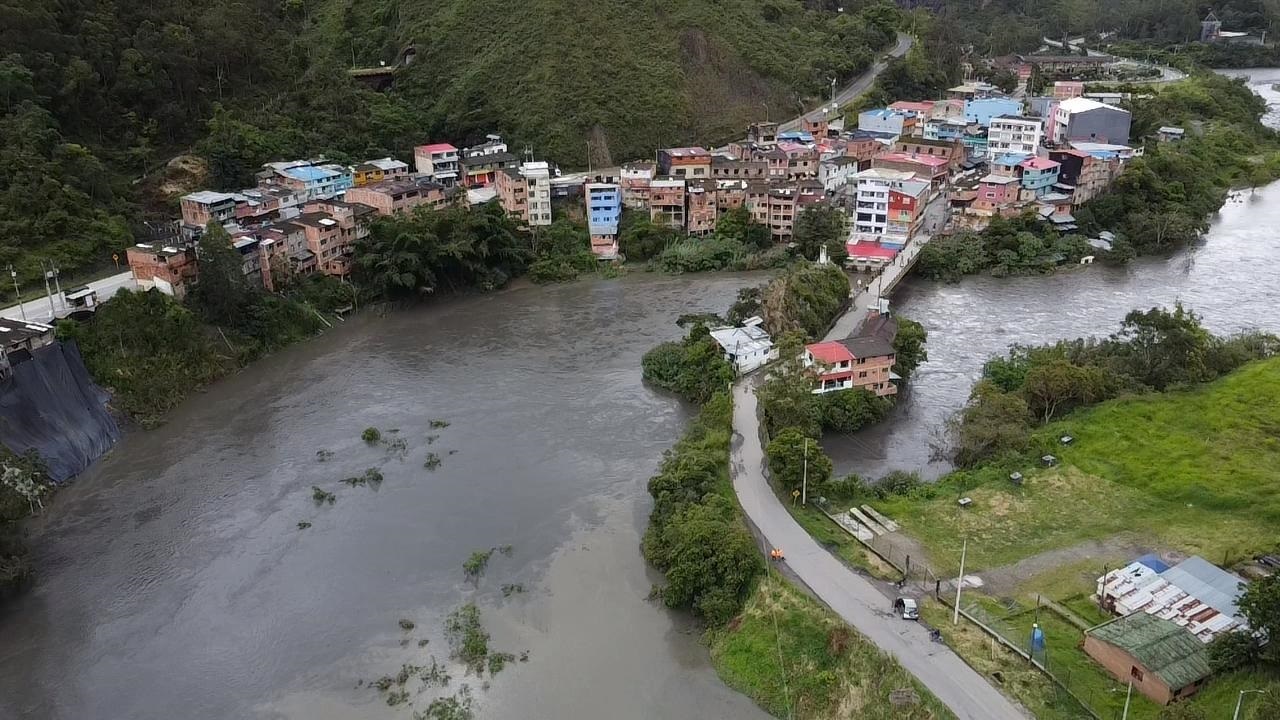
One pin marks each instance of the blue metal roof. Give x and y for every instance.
(310, 173)
(1152, 560)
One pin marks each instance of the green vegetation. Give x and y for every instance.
(693, 368)
(1188, 469)
(322, 496)
(467, 637)
(806, 298)
(474, 566)
(371, 435)
(798, 660)
(695, 535)
(794, 458)
(151, 352)
(1162, 200)
(563, 253)
(908, 347)
(23, 484)
(411, 256)
(1154, 350)
(93, 97)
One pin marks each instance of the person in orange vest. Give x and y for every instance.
(775, 554)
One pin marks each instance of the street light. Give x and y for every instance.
(1240, 701)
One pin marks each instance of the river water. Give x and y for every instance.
(1230, 279)
(175, 583)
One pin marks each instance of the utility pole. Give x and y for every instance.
(964, 550)
(57, 285)
(13, 274)
(588, 158)
(53, 311)
(1127, 696)
(804, 485)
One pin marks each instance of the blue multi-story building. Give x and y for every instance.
(604, 212)
(983, 109)
(944, 129)
(1039, 175)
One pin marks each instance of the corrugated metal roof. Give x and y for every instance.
(1207, 583)
(1169, 651)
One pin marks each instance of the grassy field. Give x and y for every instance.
(798, 660)
(840, 543)
(1193, 471)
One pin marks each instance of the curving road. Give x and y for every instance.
(857, 86)
(856, 599)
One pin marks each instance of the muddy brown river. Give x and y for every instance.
(175, 582)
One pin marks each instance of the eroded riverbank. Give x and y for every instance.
(175, 582)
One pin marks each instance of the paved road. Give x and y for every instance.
(38, 309)
(853, 597)
(857, 86)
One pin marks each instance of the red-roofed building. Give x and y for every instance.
(867, 255)
(439, 161)
(853, 363)
(931, 167)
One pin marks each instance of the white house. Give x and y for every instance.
(747, 347)
(871, 207)
(1014, 134)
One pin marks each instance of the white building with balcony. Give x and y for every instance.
(871, 201)
(537, 177)
(439, 161)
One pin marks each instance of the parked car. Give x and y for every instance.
(906, 607)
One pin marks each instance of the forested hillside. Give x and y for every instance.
(95, 97)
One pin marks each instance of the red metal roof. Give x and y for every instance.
(1039, 163)
(932, 161)
(912, 105)
(864, 249)
(829, 352)
(436, 147)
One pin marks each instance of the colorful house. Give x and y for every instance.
(981, 110)
(1039, 175)
(863, 363)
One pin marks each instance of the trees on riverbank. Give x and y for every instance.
(1153, 351)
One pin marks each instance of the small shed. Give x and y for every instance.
(1170, 134)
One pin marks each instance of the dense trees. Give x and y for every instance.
(693, 368)
(455, 249)
(795, 456)
(695, 535)
(908, 347)
(806, 298)
(818, 227)
(1156, 349)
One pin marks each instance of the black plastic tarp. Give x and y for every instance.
(50, 405)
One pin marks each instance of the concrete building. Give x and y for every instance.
(481, 169)
(723, 168)
(834, 172)
(439, 161)
(982, 110)
(1084, 120)
(871, 200)
(747, 347)
(730, 194)
(332, 229)
(921, 110)
(206, 206)
(782, 208)
(1067, 89)
(1039, 175)
(604, 212)
(933, 168)
(996, 192)
(667, 202)
(802, 160)
(168, 268)
(525, 193)
(951, 150)
(18, 335)
(391, 197)
(685, 162)
(1015, 134)
(1161, 660)
(974, 90)
(944, 128)
(315, 181)
(862, 363)
(907, 202)
(883, 120)
(702, 210)
(635, 179)
(762, 133)
(373, 171)
(1170, 134)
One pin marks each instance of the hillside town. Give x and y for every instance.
(975, 154)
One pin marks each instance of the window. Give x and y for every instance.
(1135, 672)
(862, 374)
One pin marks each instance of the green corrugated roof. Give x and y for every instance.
(1163, 647)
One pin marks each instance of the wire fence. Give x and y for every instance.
(1075, 681)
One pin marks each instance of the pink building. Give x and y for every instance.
(1067, 89)
(391, 197)
(996, 192)
(934, 168)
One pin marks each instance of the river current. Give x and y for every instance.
(176, 583)
(1229, 278)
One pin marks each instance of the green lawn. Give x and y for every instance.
(813, 666)
(1194, 471)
